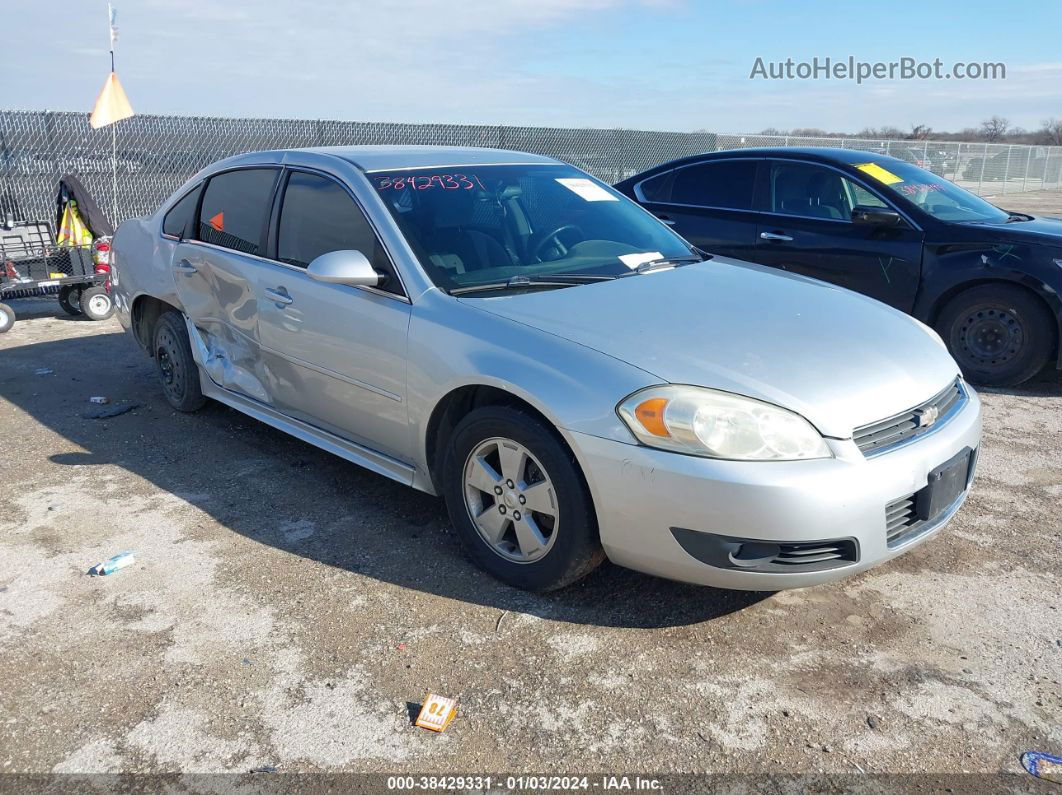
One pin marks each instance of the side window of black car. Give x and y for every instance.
(726, 184)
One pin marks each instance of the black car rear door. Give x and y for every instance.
(806, 227)
(709, 203)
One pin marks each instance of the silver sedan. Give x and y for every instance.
(574, 378)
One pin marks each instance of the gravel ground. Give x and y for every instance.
(288, 609)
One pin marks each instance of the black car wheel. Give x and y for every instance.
(178, 372)
(518, 501)
(1001, 335)
(70, 300)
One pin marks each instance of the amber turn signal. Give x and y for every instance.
(651, 415)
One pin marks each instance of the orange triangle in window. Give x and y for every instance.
(218, 222)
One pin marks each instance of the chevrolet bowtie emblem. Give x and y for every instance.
(926, 417)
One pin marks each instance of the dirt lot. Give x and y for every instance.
(287, 609)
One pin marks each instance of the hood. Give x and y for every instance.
(1045, 231)
(838, 358)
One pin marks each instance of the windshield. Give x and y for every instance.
(934, 195)
(475, 225)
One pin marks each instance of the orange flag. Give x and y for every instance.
(111, 105)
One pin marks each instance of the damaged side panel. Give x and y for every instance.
(217, 292)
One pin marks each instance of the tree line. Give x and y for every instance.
(995, 130)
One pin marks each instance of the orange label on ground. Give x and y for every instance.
(436, 712)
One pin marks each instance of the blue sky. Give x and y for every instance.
(649, 64)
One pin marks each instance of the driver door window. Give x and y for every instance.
(810, 191)
(319, 216)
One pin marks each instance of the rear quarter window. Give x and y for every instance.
(235, 209)
(176, 221)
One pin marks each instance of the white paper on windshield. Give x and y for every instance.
(632, 261)
(587, 189)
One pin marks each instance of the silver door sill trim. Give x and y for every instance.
(351, 451)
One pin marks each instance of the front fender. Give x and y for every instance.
(950, 269)
(453, 345)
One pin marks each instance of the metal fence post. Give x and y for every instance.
(1006, 169)
(984, 162)
(1028, 162)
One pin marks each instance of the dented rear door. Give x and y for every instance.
(216, 272)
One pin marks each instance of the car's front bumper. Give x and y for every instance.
(641, 494)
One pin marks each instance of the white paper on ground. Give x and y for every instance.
(632, 261)
(587, 189)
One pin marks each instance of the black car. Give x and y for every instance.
(988, 280)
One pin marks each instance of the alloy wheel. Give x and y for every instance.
(511, 500)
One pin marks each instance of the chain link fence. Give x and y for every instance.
(155, 154)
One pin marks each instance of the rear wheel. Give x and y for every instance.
(1000, 334)
(7, 318)
(69, 300)
(518, 501)
(177, 370)
(96, 303)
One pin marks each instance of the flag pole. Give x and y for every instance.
(114, 127)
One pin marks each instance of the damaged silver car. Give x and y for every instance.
(575, 379)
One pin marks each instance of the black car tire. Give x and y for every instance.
(96, 303)
(1000, 334)
(7, 318)
(178, 372)
(576, 551)
(69, 300)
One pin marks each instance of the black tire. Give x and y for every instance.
(96, 303)
(7, 318)
(69, 300)
(576, 549)
(178, 372)
(1000, 334)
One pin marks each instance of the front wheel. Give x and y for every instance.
(518, 501)
(1000, 334)
(96, 303)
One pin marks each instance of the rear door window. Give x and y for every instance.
(235, 209)
(726, 184)
(319, 216)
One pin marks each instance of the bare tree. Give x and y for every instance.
(1051, 132)
(994, 129)
(882, 133)
(920, 132)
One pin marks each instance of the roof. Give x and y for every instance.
(383, 158)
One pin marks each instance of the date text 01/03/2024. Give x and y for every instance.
(525, 782)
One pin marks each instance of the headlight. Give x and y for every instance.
(699, 421)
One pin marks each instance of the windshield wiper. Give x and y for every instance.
(517, 282)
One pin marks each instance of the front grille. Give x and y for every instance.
(901, 521)
(880, 436)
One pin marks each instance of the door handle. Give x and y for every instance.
(279, 296)
(666, 219)
(775, 236)
(184, 266)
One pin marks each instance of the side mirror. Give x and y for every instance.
(876, 216)
(351, 268)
